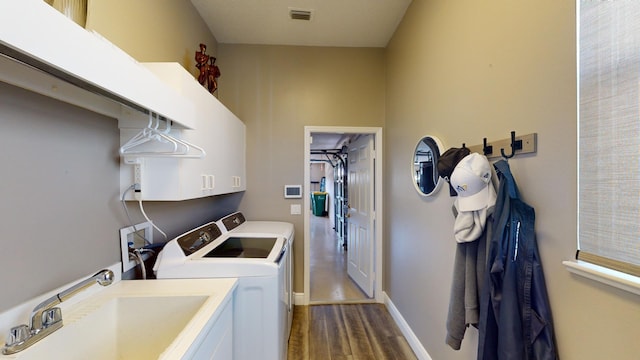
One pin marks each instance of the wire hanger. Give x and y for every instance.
(178, 148)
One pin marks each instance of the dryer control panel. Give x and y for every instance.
(232, 221)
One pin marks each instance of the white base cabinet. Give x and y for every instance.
(217, 130)
(217, 342)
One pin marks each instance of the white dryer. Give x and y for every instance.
(262, 264)
(237, 223)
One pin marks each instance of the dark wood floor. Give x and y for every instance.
(346, 332)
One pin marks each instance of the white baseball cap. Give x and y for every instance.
(472, 181)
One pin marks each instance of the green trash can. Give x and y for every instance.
(317, 203)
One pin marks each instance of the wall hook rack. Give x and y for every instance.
(522, 144)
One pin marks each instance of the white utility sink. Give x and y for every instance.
(154, 319)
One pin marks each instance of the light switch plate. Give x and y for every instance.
(296, 209)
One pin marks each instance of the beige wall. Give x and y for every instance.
(464, 70)
(58, 217)
(276, 91)
(60, 210)
(153, 30)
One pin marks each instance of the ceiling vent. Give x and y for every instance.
(300, 14)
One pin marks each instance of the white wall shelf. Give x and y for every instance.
(45, 41)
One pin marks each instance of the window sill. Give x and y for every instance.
(604, 275)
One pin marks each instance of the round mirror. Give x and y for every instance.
(424, 166)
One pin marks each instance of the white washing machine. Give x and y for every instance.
(262, 263)
(237, 225)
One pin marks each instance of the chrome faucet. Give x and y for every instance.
(46, 318)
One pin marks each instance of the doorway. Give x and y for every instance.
(330, 266)
(329, 281)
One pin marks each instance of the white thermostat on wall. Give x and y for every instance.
(292, 191)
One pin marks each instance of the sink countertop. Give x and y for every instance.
(216, 291)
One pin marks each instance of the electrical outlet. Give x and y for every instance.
(137, 174)
(136, 237)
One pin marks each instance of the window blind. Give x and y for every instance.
(609, 134)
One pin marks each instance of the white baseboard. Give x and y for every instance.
(412, 339)
(298, 299)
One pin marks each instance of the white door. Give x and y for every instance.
(361, 214)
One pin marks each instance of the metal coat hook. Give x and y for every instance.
(523, 144)
(486, 149)
(515, 145)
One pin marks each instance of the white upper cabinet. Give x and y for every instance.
(43, 51)
(217, 130)
(37, 35)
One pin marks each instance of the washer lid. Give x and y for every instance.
(244, 247)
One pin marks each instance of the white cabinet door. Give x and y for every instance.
(217, 342)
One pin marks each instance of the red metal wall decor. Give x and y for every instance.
(209, 71)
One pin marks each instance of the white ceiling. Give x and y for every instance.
(343, 23)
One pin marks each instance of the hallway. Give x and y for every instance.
(328, 266)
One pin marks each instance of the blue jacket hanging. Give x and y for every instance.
(515, 317)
